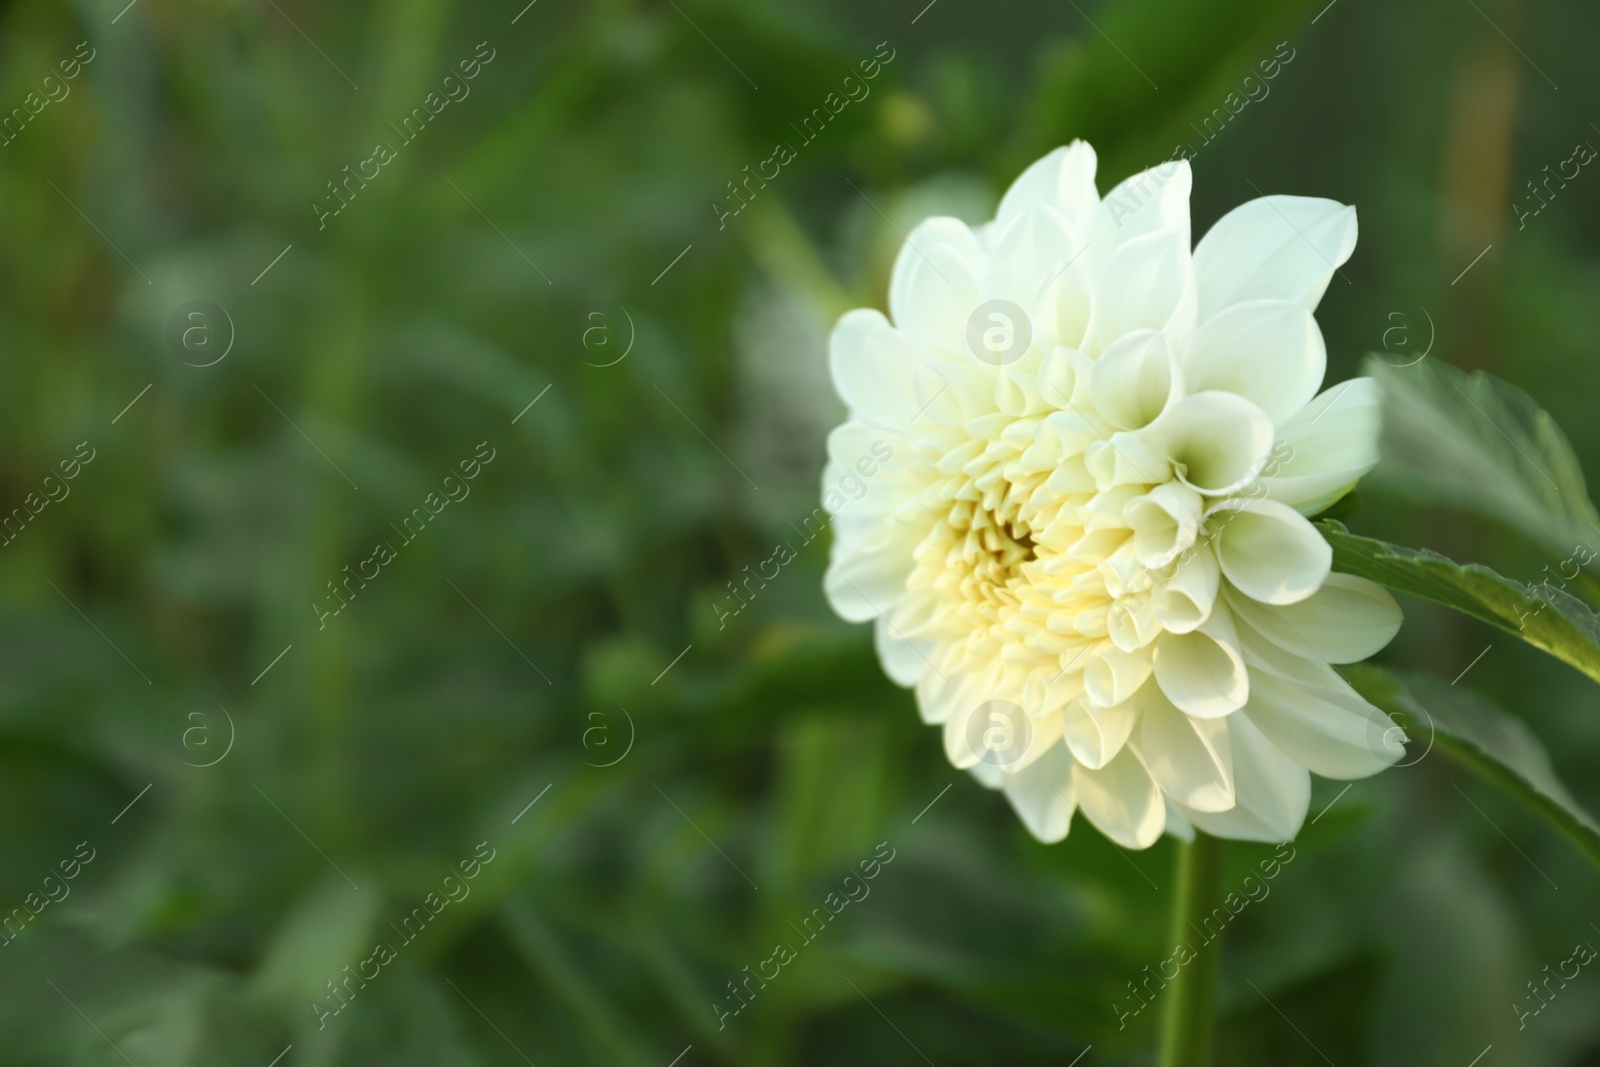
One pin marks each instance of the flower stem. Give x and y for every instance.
(1189, 1017)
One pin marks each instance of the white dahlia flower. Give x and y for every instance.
(1088, 549)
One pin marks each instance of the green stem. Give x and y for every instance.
(1189, 1016)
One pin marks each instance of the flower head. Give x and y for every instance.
(1088, 551)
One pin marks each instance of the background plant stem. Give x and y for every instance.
(1189, 1016)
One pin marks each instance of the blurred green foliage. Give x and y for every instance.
(563, 613)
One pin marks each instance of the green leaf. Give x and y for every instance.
(1471, 730)
(1542, 615)
(1474, 442)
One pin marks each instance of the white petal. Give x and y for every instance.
(1184, 601)
(861, 478)
(958, 726)
(1061, 311)
(1146, 284)
(903, 661)
(1267, 351)
(1049, 688)
(967, 394)
(1042, 792)
(1064, 179)
(1029, 252)
(1272, 790)
(1042, 736)
(1111, 675)
(1150, 201)
(1178, 824)
(875, 369)
(1127, 459)
(1347, 620)
(1276, 247)
(1203, 672)
(987, 775)
(1095, 735)
(1134, 379)
(1131, 621)
(935, 285)
(1325, 448)
(866, 578)
(998, 732)
(942, 696)
(1331, 731)
(1190, 759)
(1269, 551)
(1164, 521)
(1218, 442)
(1058, 377)
(1122, 800)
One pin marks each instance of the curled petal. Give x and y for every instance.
(1042, 794)
(1049, 689)
(1348, 619)
(1203, 672)
(1131, 622)
(1326, 447)
(1268, 351)
(1135, 379)
(1191, 759)
(1217, 442)
(1122, 800)
(1095, 735)
(1184, 601)
(1269, 551)
(1271, 790)
(1164, 521)
(1111, 675)
(1127, 459)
